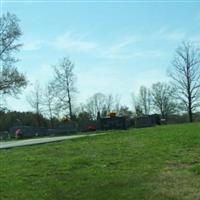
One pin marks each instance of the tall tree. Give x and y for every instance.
(144, 100)
(112, 103)
(64, 85)
(103, 104)
(163, 99)
(35, 101)
(49, 102)
(11, 81)
(138, 110)
(124, 111)
(96, 104)
(186, 76)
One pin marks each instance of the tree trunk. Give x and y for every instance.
(190, 114)
(38, 120)
(51, 119)
(70, 104)
(52, 124)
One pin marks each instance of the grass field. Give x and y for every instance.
(159, 163)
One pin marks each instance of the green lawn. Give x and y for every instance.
(158, 163)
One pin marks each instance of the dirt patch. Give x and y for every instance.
(182, 164)
(178, 183)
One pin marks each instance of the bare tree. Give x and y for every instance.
(162, 99)
(124, 111)
(144, 100)
(112, 103)
(103, 104)
(11, 81)
(109, 101)
(96, 104)
(49, 102)
(35, 101)
(116, 103)
(10, 32)
(139, 105)
(138, 110)
(135, 106)
(64, 85)
(186, 76)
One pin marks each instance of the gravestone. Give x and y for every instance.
(108, 123)
(144, 121)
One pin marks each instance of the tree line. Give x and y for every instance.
(57, 99)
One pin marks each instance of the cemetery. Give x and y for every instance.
(99, 100)
(109, 122)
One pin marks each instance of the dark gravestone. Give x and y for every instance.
(68, 128)
(108, 123)
(155, 119)
(144, 121)
(87, 125)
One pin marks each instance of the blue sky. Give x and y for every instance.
(116, 46)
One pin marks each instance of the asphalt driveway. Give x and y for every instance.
(18, 143)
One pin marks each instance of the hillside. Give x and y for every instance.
(158, 163)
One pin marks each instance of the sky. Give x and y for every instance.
(116, 46)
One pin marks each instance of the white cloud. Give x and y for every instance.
(74, 41)
(79, 42)
(121, 45)
(146, 54)
(165, 33)
(127, 49)
(124, 48)
(32, 45)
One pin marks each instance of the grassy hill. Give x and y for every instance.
(158, 163)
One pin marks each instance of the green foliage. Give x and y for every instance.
(11, 81)
(10, 119)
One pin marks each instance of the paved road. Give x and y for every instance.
(17, 143)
